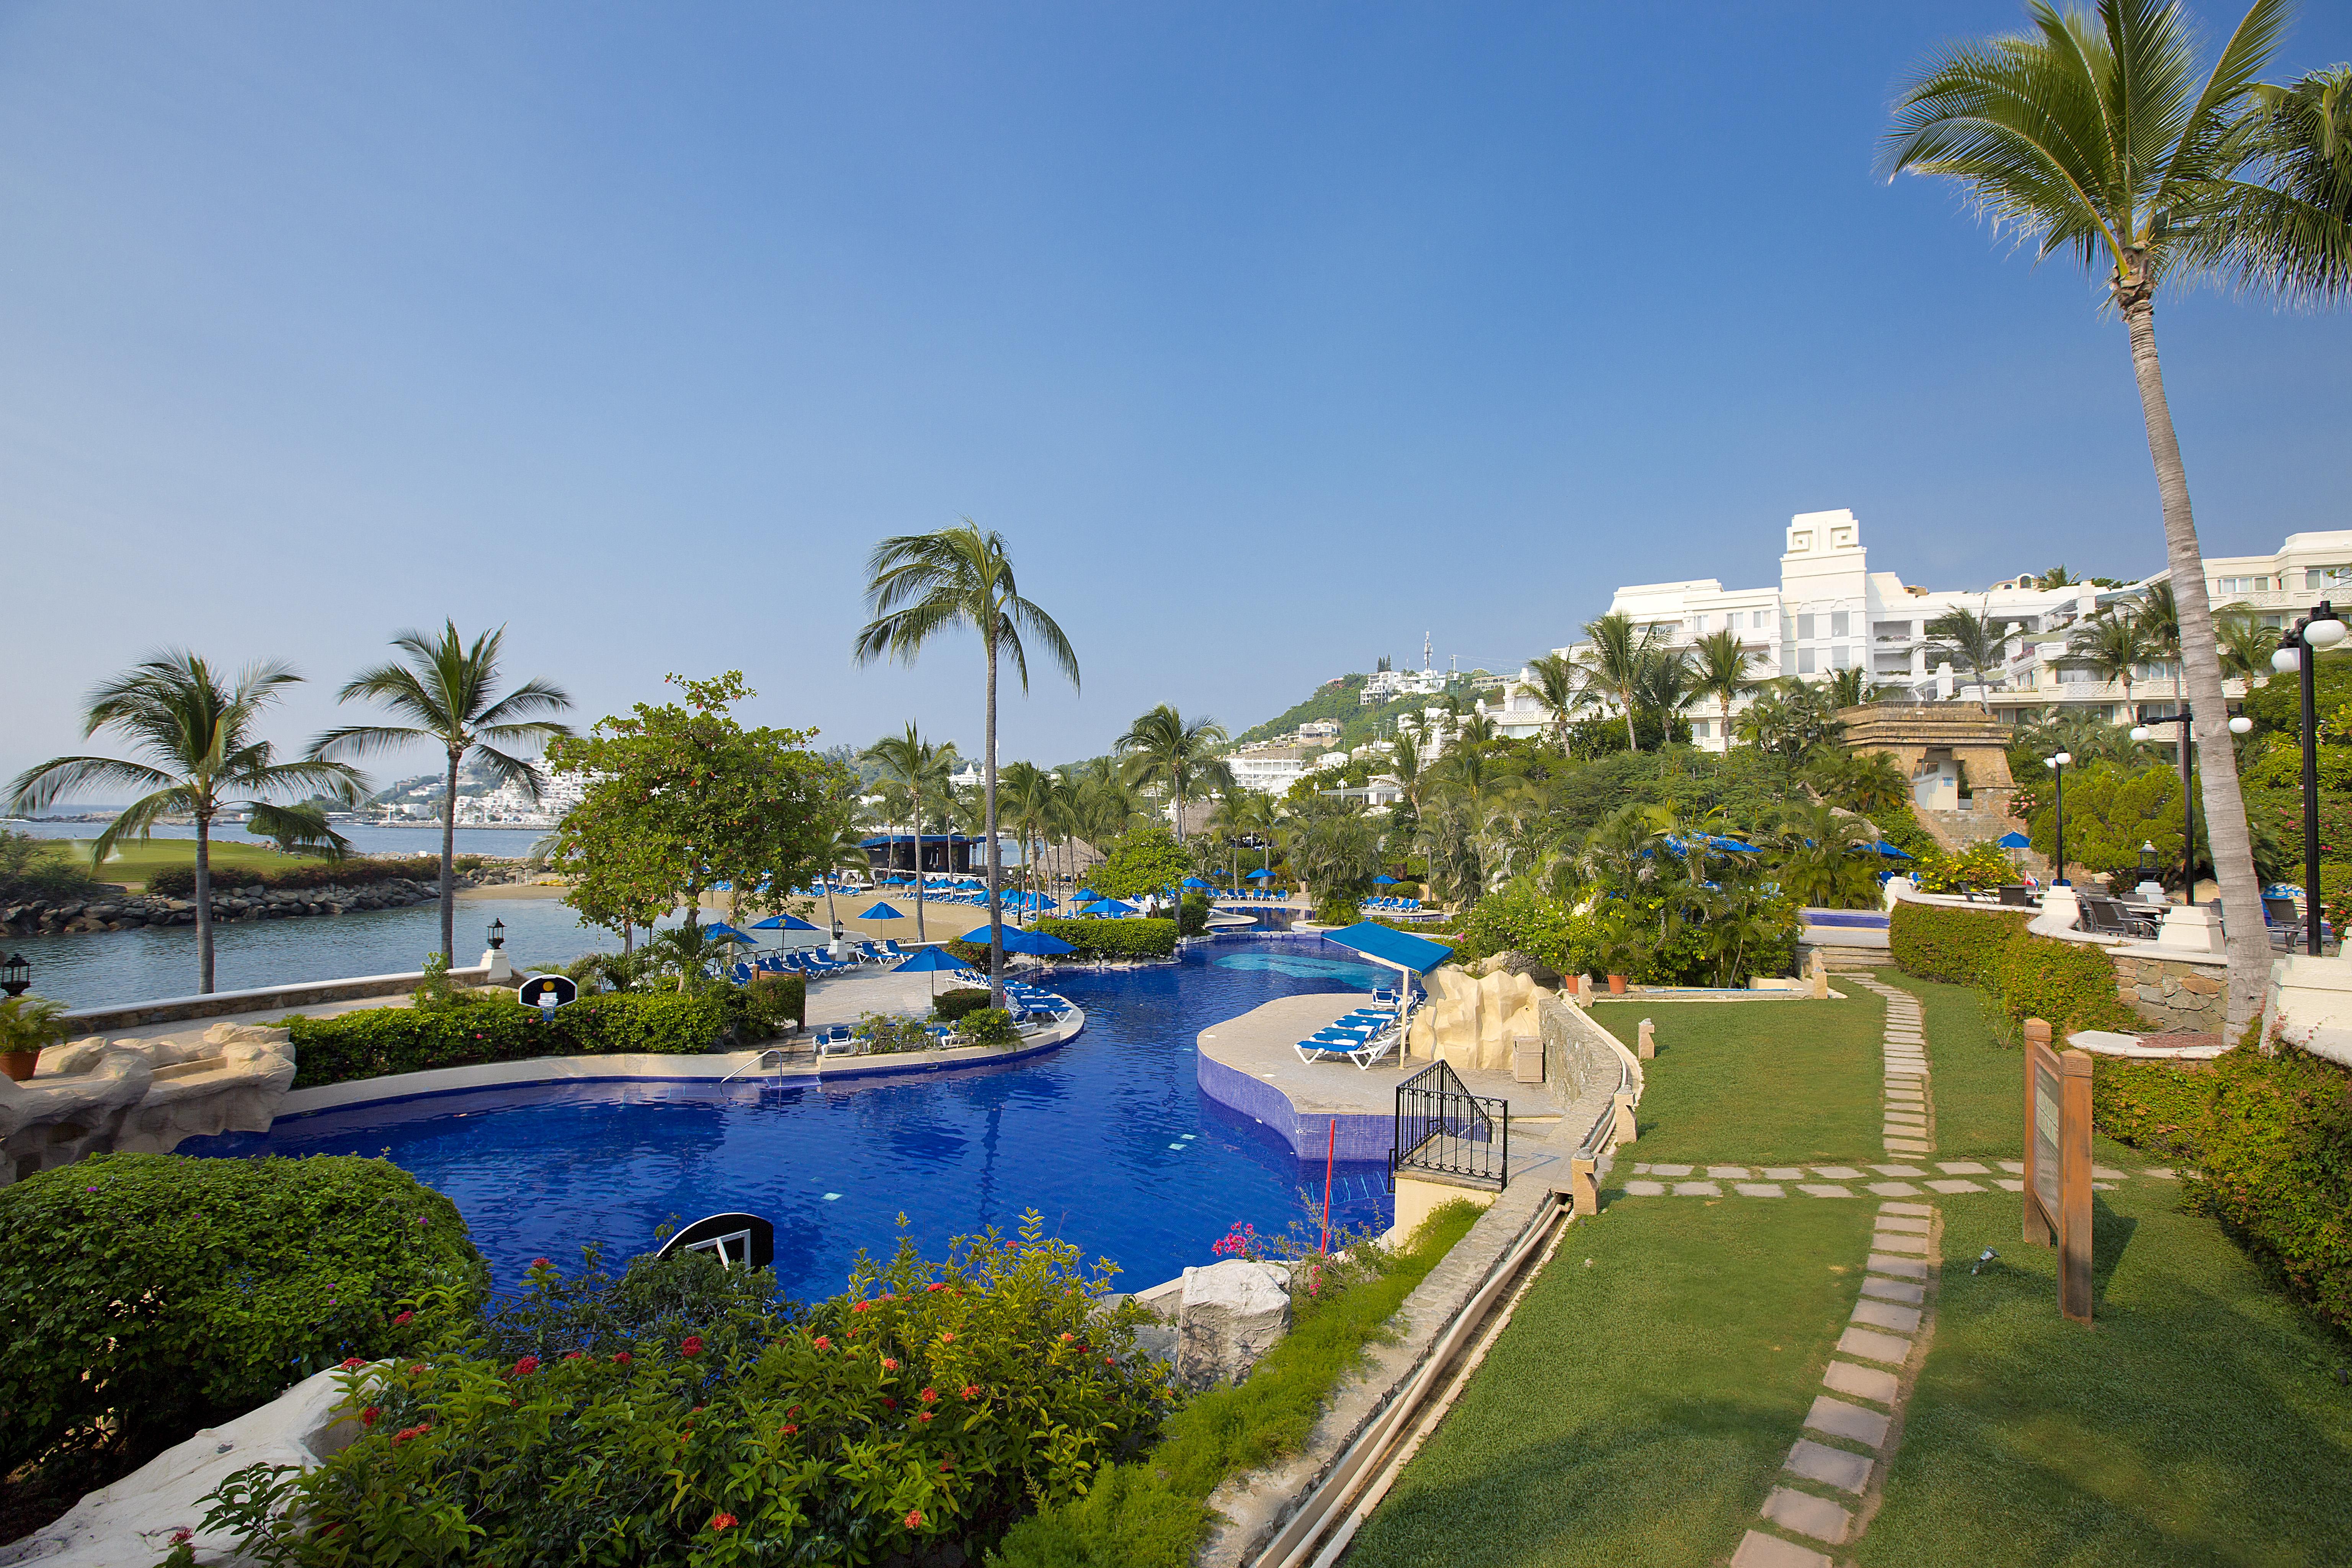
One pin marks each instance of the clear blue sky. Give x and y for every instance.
(1269, 336)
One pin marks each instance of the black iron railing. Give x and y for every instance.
(1443, 1128)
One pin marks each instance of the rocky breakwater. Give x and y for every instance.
(125, 910)
(140, 1096)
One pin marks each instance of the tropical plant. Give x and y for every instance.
(1719, 669)
(922, 584)
(1866, 782)
(2113, 647)
(29, 1025)
(447, 690)
(1977, 643)
(2056, 577)
(1162, 747)
(917, 766)
(2159, 616)
(1619, 658)
(2245, 648)
(1339, 854)
(690, 951)
(1826, 860)
(1791, 718)
(196, 737)
(2095, 135)
(1555, 681)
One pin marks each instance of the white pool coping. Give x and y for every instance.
(706, 1068)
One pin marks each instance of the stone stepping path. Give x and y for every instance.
(1850, 1430)
(1909, 1119)
(1949, 1177)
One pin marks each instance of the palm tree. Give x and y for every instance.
(1025, 791)
(920, 584)
(2094, 136)
(1163, 747)
(201, 757)
(2113, 646)
(1557, 683)
(915, 765)
(1246, 814)
(2056, 577)
(1621, 655)
(1976, 642)
(2246, 645)
(1719, 669)
(2159, 616)
(447, 689)
(844, 849)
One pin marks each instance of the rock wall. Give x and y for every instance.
(140, 1096)
(2186, 997)
(1470, 1021)
(130, 912)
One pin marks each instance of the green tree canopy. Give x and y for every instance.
(1144, 861)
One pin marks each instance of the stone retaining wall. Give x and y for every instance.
(266, 998)
(2187, 997)
(233, 902)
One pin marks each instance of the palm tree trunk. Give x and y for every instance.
(1633, 741)
(448, 866)
(2226, 835)
(915, 793)
(988, 825)
(203, 903)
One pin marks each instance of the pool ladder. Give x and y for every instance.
(770, 1061)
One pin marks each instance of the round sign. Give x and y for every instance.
(537, 988)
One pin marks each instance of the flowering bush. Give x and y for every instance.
(989, 1027)
(928, 1406)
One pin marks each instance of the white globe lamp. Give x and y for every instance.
(2242, 725)
(2323, 634)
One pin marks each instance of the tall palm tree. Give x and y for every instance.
(200, 757)
(2095, 135)
(921, 584)
(1719, 669)
(1620, 655)
(2056, 577)
(448, 691)
(2159, 616)
(919, 767)
(1025, 793)
(1555, 681)
(1246, 814)
(2113, 646)
(1979, 643)
(844, 849)
(1163, 747)
(2246, 645)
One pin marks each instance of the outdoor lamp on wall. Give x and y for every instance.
(2146, 861)
(497, 934)
(16, 974)
(2057, 766)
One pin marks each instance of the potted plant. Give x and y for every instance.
(1614, 945)
(27, 1025)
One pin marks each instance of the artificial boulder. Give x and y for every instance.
(1232, 1313)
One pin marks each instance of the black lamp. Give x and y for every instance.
(16, 974)
(2146, 861)
(497, 934)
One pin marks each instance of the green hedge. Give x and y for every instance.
(1960, 947)
(162, 1292)
(950, 1005)
(2070, 983)
(353, 871)
(2161, 1107)
(494, 1027)
(1116, 939)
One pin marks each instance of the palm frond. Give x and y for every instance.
(43, 785)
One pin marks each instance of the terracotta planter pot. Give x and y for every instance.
(1616, 985)
(19, 1065)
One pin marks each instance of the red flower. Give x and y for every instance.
(401, 1318)
(946, 1338)
(925, 1415)
(692, 1347)
(972, 1391)
(722, 1521)
(182, 1535)
(936, 1285)
(415, 1367)
(888, 1365)
(823, 1343)
(915, 1518)
(526, 1366)
(930, 1396)
(368, 1417)
(947, 1467)
(416, 1431)
(888, 1403)
(1108, 1362)
(353, 1364)
(573, 1355)
(859, 1306)
(788, 1431)
(622, 1358)
(538, 1263)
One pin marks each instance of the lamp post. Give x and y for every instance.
(498, 935)
(2057, 766)
(2296, 653)
(2239, 725)
(16, 975)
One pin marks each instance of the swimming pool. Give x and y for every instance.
(1108, 1138)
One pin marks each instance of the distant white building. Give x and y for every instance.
(1268, 770)
(1318, 733)
(1831, 613)
(510, 804)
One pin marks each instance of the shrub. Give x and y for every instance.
(1193, 915)
(950, 1005)
(975, 953)
(43, 870)
(990, 1027)
(2274, 1165)
(2071, 985)
(2161, 1107)
(886, 1034)
(1338, 906)
(1980, 865)
(1961, 947)
(733, 1310)
(301, 876)
(1132, 937)
(1523, 918)
(164, 1292)
(772, 1001)
(492, 1027)
(913, 1418)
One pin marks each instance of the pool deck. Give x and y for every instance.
(1250, 1063)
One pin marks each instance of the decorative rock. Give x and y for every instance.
(1232, 1314)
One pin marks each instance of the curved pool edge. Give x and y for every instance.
(648, 1067)
(1222, 1069)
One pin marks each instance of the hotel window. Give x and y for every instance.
(1842, 657)
(1805, 659)
(1805, 629)
(1698, 626)
(1699, 728)
(1762, 620)
(1837, 623)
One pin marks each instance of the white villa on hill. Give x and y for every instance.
(1830, 612)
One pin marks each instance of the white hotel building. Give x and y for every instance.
(1829, 612)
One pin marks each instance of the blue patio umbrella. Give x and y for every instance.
(1086, 893)
(782, 922)
(1109, 907)
(932, 961)
(1261, 874)
(1889, 850)
(882, 912)
(1192, 882)
(2014, 841)
(1385, 880)
(1035, 942)
(725, 932)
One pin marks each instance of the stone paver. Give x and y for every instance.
(1895, 1241)
(1830, 1467)
(1698, 1190)
(1894, 1189)
(1903, 1267)
(1895, 1291)
(1644, 1189)
(1886, 1315)
(1825, 1190)
(1898, 1170)
(1758, 1550)
(1962, 1168)
(1870, 1344)
(1728, 1173)
(2008, 1184)
(1806, 1514)
(1838, 1172)
(1895, 1145)
(1903, 1216)
(1861, 1382)
(1760, 1190)
(1670, 1170)
(1852, 1422)
(1918, 1210)
(1955, 1186)
(1784, 1174)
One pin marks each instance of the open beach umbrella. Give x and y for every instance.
(1109, 907)
(782, 922)
(722, 931)
(1401, 951)
(1036, 943)
(1889, 850)
(1261, 874)
(930, 961)
(1192, 882)
(882, 912)
(1086, 893)
(2014, 841)
(1385, 880)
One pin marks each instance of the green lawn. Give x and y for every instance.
(1757, 1082)
(1976, 1081)
(1635, 1411)
(135, 861)
(2198, 1422)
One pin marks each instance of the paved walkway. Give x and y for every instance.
(1831, 1482)
(1841, 1181)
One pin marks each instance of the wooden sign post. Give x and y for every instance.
(2058, 1163)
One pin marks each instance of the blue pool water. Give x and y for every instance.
(1108, 1138)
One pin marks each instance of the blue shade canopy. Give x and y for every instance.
(930, 958)
(1036, 944)
(722, 931)
(1109, 907)
(1889, 850)
(1192, 882)
(782, 922)
(1086, 893)
(1261, 875)
(882, 912)
(2014, 841)
(1385, 880)
(1398, 950)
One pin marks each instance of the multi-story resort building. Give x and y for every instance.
(1831, 613)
